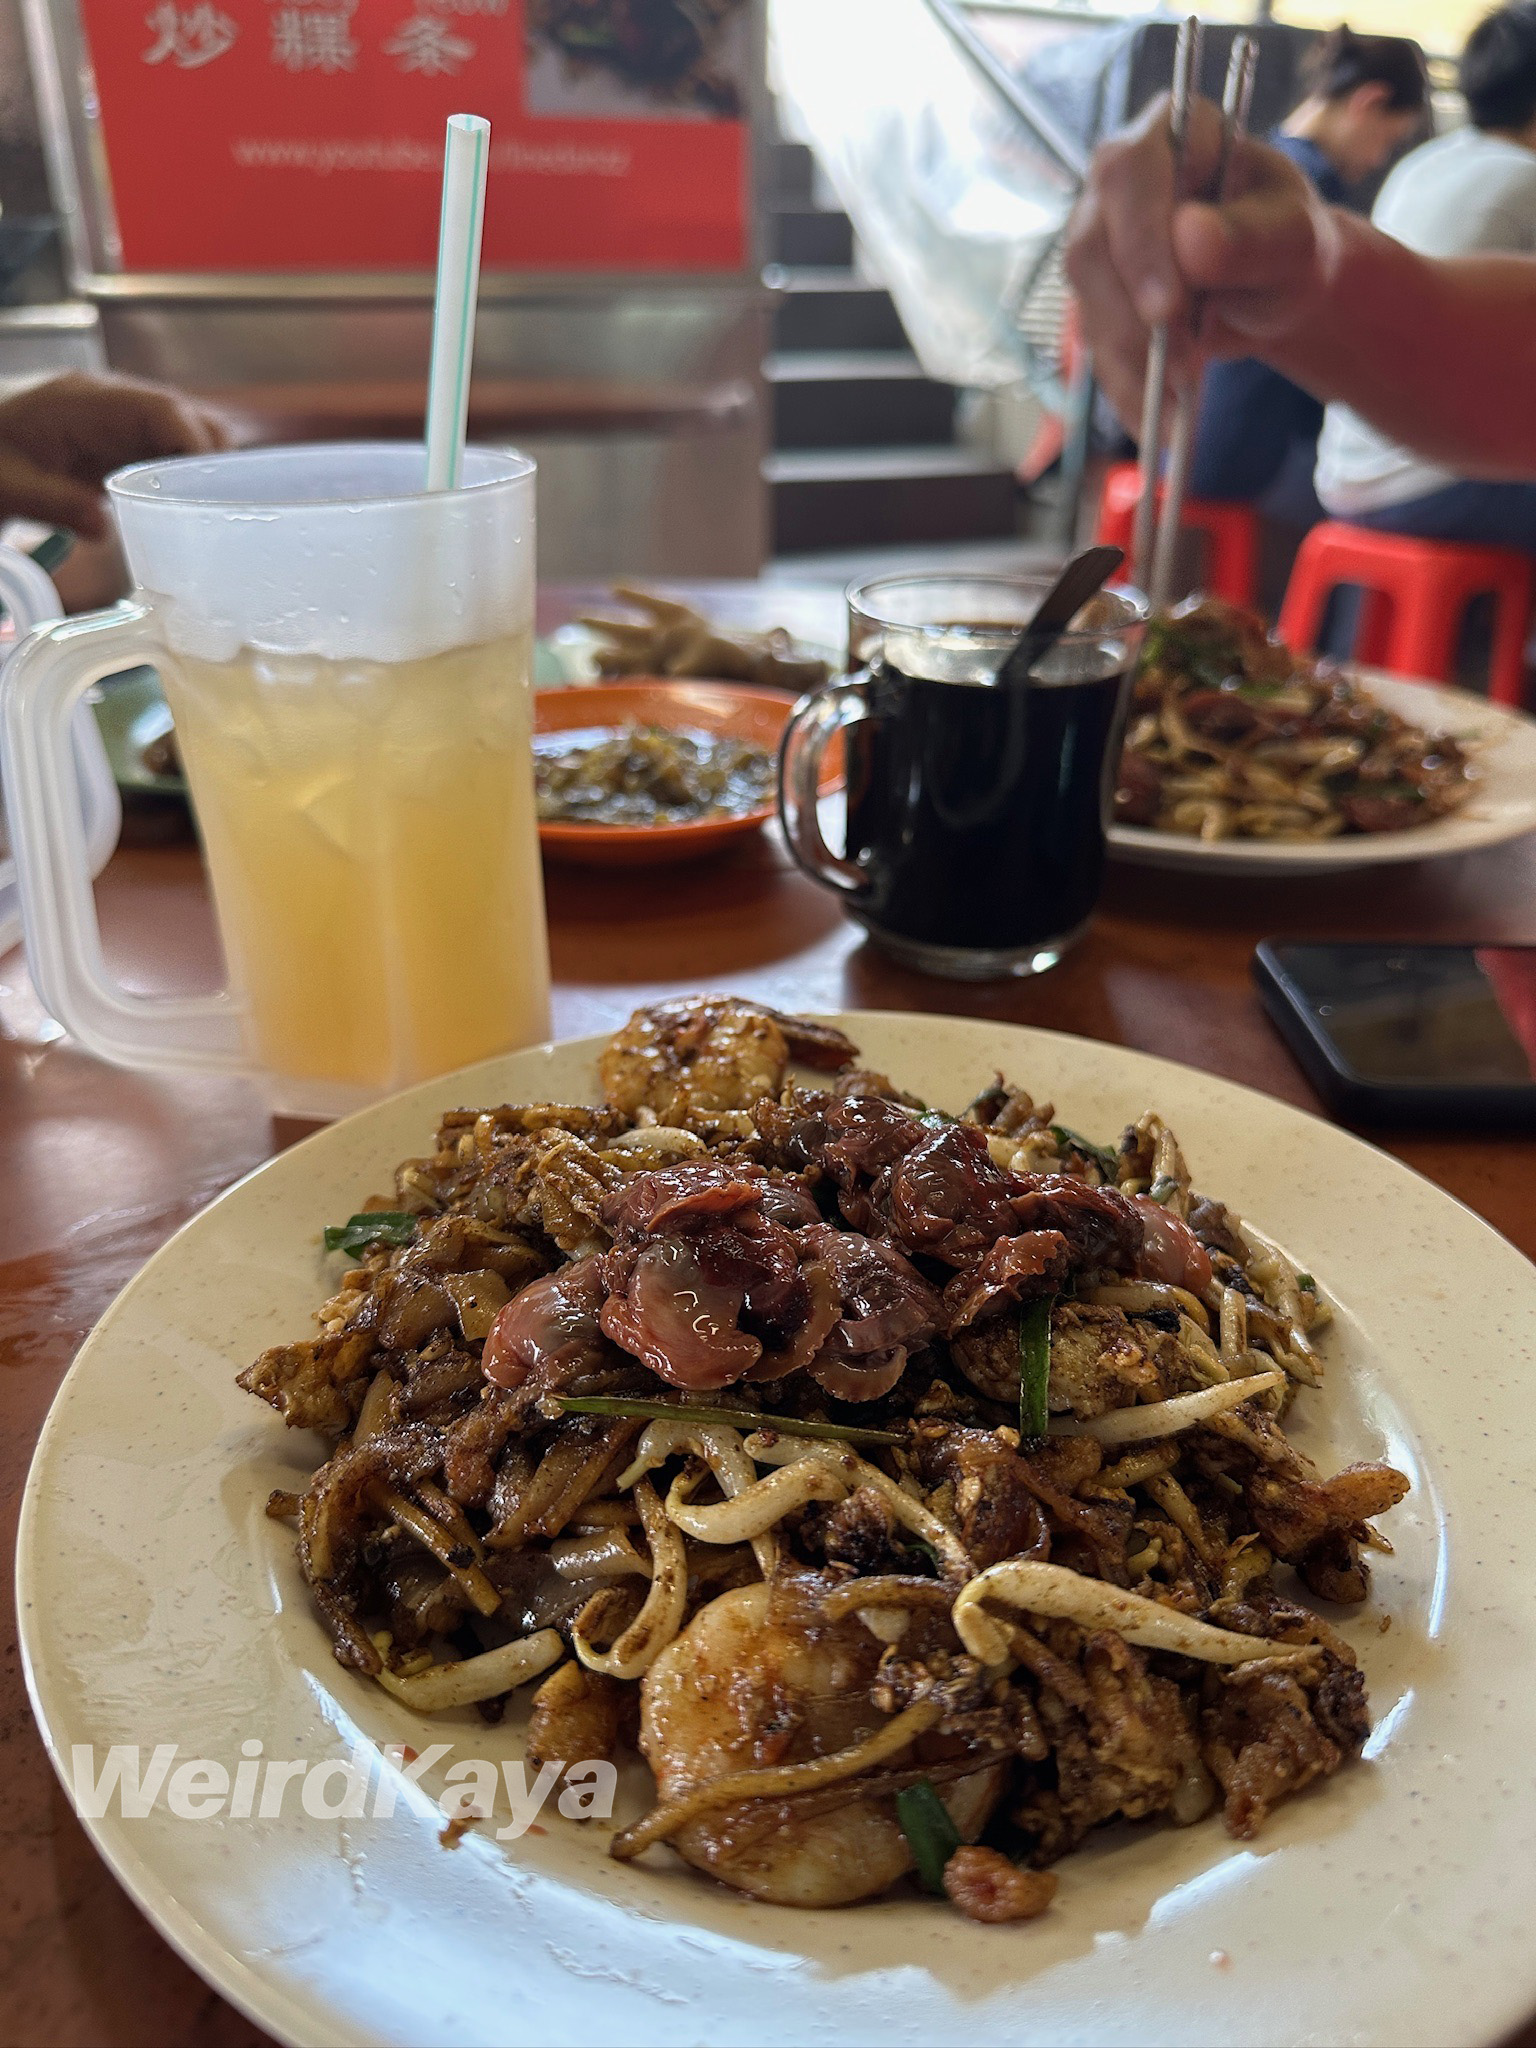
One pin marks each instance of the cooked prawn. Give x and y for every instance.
(736, 1692)
(701, 1055)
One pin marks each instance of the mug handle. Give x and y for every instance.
(813, 724)
(30, 600)
(41, 687)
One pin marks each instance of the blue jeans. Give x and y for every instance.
(1485, 515)
(1256, 441)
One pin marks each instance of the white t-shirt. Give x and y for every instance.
(1462, 194)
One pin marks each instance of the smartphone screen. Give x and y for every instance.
(1436, 1016)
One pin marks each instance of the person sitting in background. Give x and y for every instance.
(1257, 434)
(1470, 191)
(60, 440)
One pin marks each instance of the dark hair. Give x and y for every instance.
(1498, 68)
(1342, 62)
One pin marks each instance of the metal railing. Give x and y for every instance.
(1058, 143)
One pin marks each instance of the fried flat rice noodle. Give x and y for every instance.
(587, 1401)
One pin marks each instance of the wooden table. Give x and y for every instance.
(97, 1167)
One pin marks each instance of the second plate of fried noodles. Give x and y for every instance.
(1243, 757)
(762, 1525)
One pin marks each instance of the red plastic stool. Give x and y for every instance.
(1231, 531)
(1418, 593)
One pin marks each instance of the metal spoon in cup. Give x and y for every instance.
(1083, 577)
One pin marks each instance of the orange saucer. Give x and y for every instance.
(729, 709)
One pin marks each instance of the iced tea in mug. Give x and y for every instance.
(347, 658)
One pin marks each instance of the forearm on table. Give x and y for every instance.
(1438, 354)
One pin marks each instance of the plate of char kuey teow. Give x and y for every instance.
(978, 1535)
(1243, 757)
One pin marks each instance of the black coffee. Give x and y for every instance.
(977, 810)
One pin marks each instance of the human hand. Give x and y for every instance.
(60, 439)
(1139, 252)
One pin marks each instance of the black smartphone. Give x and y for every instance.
(1409, 1034)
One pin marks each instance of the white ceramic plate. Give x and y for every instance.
(1503, 807)
(159, 1605)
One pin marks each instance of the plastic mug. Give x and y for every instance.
(347, 658)
(29, 599)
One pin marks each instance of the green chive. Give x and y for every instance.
(1398, 792)
(384, 1226)
(1073, 1141)
(1164, 1186)
(931, 1833)
(734, 1418)
(1305, 1281)
(1034, 1366)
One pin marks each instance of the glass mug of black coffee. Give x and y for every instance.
(976, 807)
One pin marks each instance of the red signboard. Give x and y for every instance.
(307, 135)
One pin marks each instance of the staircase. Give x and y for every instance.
(864, 448)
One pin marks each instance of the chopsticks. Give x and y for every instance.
(1186, 57)
(1157, 530)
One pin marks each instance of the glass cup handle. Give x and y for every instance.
(27, 592)
(30, 600)
(813, 724)
(41, 685)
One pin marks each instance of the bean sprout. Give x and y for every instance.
(888, 1591)
(1167, 1418)
(722, 1451)
(1137, 1296)
(777, 1781)
(755, 1510)
(1234, 1326)
(432, 1536)
(485, 1677)
(1062, 1595)
(1181, 1511)
(909, 1512)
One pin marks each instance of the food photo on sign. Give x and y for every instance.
(644, 59)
